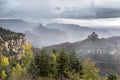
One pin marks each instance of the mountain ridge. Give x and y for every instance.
(51, 36)
(87, 45)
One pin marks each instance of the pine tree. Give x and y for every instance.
(42, 62)
(112, 77)
(75, 64)
(63, 65)
(53, 64)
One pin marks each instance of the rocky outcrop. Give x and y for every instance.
(11, 42)
(94, 35)
(14, 45)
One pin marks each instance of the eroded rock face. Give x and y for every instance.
(14, 45)
(11, 42)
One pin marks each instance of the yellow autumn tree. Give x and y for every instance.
(27, 56)
(26, 46)
(89, 70)
(4, 61)
(18, 72)
(3, 74)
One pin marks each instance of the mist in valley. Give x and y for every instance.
(54, 33)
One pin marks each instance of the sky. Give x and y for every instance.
(82, 12)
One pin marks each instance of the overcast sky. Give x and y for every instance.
(85, 10)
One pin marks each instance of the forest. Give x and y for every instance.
(50, 66)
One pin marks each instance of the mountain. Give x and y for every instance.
(11, 42)
(104, 51)
(114, 38)
(66, 27)
(76, 32)
(41, 30)
(45, 36)
(17, 25)
(54, 33)
(89, 45)
(35, 32)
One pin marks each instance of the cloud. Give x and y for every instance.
(27, 9)
(75, 9)
(78, 13)
(91, 13)
(107, 12)
(5, 9)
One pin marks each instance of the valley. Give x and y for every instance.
(104, 51)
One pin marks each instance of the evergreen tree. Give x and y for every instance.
(53, 64)
(42, 62)
(63, 65)
(112, 77)
(75, 64)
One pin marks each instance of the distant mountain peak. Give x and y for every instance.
(40, 25)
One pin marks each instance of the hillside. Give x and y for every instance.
(15, 55)
(104, 51)
(11, 42)
(89, 45)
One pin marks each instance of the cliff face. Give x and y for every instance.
(11, 42)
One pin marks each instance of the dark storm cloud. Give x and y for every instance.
(89, 13)
(107, 12)
(78, 13)
(76, 9)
